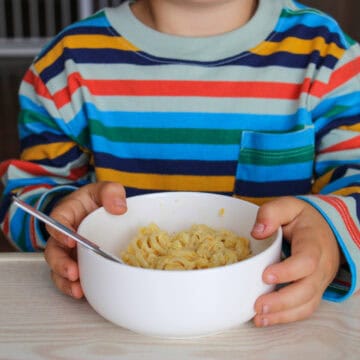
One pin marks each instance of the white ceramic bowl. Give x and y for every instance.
(174, 304)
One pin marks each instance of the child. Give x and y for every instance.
(254, 99)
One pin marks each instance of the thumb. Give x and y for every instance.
(112, 196)
(276, 213)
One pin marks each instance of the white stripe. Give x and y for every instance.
(336, 136)
(352, 154)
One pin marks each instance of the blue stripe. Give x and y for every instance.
(289, 60)
(350, 101)
(259, 173)
(189, 120)
(77, 125)
(341, 170)
(272, 188)
(166, 151)
(28, 129)
(97, 21)
(353, 180)
(92, 56)
(351, 120)
(21, 217)
(27, 104)
(167, 167)
(43, 139)
(350, 104)
(115, 56)
(269, 141)
(301, 31)
(311, 19)
(17, 183)
(324, 166)
(356, 197)
(6, 200)
(62, 161)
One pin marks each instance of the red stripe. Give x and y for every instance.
(339, 77)
(353, 143)
(6, 224)
(37, 83)
(34, 187)
(31, 168)
(32, 233)
(231, 89)
(346, 217)
(78, 172)
(35, 169)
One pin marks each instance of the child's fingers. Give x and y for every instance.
(60, 261)
(112, 196)
(61, 238)
(293, 268)
(72, 288)
(294, 314)
(75, 207)
(274, 214)
(70, 212)
(289, 296)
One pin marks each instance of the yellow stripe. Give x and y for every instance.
(46, 151)
(321, 182)
(299, 46)
(355, 127)
(167, 182)
(347, 191)
(83, 41)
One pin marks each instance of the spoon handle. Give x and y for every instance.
(63, 229)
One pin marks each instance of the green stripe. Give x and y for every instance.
(350, 40)
(287, 13)
(336, 110)
(277, 157)
(98, 14)
(166, 136)
(28, 117)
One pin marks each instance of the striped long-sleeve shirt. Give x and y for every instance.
(267, 110)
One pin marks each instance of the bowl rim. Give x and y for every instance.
(277, 236)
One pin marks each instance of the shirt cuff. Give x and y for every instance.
(45, 204)
(340, 213)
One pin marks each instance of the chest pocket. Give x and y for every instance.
(275, 164)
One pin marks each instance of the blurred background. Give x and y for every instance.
(25, 25)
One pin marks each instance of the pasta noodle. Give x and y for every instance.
(200, 247)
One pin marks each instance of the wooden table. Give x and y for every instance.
(38, 322)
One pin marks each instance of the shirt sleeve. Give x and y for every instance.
(336, 188)
(54, 161)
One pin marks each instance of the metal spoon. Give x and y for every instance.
(63, 229)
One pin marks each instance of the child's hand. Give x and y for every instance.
(60, 251)
(313, 264)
